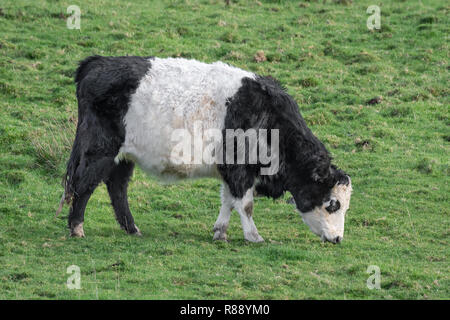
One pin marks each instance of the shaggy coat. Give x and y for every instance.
(129, 107)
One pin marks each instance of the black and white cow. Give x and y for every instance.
(129, 108)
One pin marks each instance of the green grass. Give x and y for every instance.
(397, 152)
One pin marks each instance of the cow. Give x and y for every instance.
(130, 107)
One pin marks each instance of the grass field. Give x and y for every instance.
(397, 152)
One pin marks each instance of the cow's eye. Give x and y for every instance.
(334, 206)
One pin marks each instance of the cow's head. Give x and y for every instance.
(323, 202)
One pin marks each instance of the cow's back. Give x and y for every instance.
(177, 94)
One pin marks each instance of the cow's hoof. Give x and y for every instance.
(253, 237)
(77, 231)
(220, 236)
(135, 232)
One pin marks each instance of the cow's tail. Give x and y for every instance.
(67, 180)
(71, 169)
(75, 155)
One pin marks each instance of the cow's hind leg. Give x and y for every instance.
(89, 173)
(76, 214)
(117, 184)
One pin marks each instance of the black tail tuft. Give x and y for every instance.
(67, 180)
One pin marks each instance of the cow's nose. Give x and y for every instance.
(338, 239)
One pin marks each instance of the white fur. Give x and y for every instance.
(223, 220)
(229, 203)
(329, 226)
(175, 94)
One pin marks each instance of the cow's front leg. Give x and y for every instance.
(223, 220)
(244, 207)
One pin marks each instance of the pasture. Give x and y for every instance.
(379, 100)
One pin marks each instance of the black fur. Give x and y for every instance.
(104, 86)
(305, 167)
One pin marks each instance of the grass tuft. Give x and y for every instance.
(52, 145)
(426, 166)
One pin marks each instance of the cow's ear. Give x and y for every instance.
(339, 176)
(344, 179)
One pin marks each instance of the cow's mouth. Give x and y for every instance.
(334, 240)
